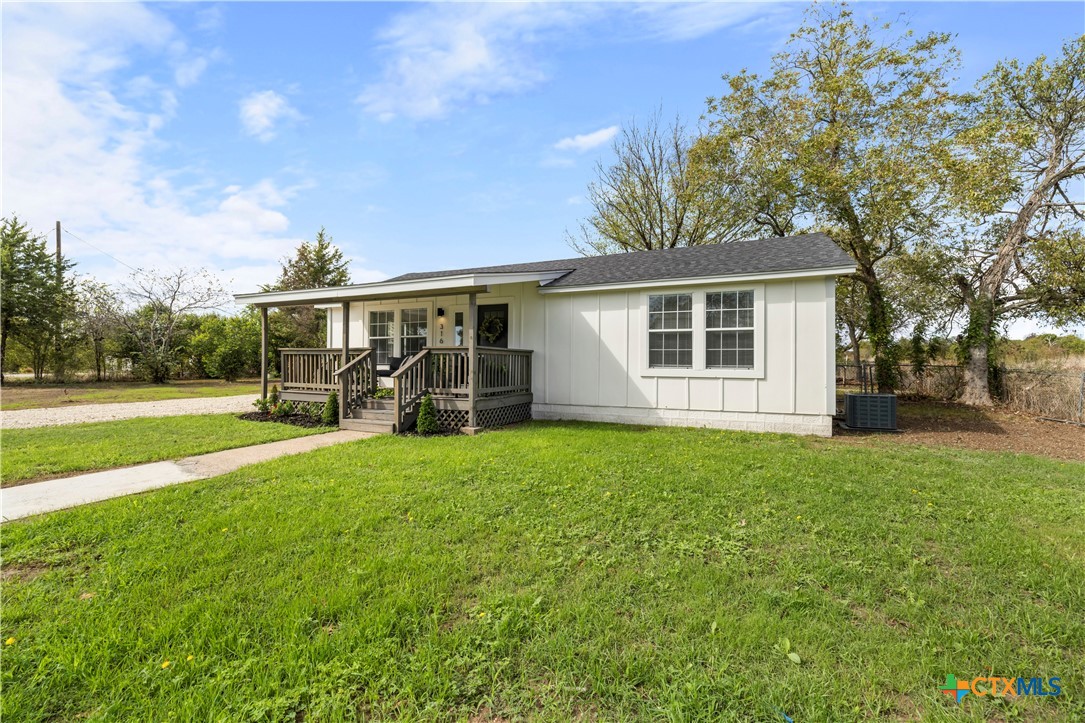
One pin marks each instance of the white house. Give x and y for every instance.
(735, 336)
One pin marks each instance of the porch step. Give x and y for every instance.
(364, 425)
(376, 415)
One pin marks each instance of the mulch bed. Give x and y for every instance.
(298, 420)
(995, 430)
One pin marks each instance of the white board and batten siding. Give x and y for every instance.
(590, 362)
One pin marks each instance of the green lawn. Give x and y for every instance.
(558, 572)
(25, 395)
(30, 454)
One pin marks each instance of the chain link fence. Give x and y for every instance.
(1054, 394)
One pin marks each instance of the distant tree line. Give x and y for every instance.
(962, 210)
(158, 325)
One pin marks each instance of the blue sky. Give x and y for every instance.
(422, 136)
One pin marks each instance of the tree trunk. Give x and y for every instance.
(977, 391)
(98, 361)
(853, 339)
(3, 352)
(977, 341)
(879, 332)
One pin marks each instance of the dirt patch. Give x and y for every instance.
(954, 425)
(22, 572)
(297, 420)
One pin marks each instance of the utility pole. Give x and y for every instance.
(58, 370)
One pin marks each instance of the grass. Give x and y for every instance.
(30, 454)
(558, 572)
(25, 395)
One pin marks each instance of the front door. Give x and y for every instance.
(493, 325)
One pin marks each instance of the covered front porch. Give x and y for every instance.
(486, 387)
(410, 348)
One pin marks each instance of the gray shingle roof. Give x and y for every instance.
(790, 253)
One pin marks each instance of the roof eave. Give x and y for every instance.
(436, 286)
(700, 280)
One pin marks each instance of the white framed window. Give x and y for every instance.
(706, 331)
(413, 330)
(381, 329)
(670, 331)
(729, 329)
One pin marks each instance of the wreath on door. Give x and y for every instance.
(491, 329)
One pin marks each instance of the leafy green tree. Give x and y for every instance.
(1020, 172)
(227, 347)
(846, 133)
(35, 296)
(649, 199)
(315, 264)
(98, 311)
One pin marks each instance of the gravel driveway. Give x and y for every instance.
(78, 414)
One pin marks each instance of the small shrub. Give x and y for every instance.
(329, 415)
(384, 393)
(273, 396)
(262, 404)
(427, 417)
(283, 409)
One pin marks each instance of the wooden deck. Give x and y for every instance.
(489, 388)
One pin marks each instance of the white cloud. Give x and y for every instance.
(78, 138)
(262, 111)
(190, 69)
(438, 58)
(676, 21)
(587, 141)
(443, 56)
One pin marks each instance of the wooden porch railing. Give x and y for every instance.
(410, 383)
(449, 376)
(503, 371)
(446, 373)
(357, 380)
(313, 370)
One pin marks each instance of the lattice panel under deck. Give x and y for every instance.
(500, 416)
(451, 420)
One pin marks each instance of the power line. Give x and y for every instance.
(106, 253)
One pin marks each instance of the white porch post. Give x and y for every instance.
(263, 352)
(345, 357)
(472, 357)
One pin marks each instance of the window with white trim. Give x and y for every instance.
(381, 328)
(729, 330)
(413, 330)
(670, 331)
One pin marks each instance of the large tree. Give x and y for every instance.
(1022, 173)
(314, 265)
(648, 199)
(846, 134)
(35, 296)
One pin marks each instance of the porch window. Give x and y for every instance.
(670, 331)
(381, 326)
(413, 330)
(729, 327)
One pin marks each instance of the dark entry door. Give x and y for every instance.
(493, 325)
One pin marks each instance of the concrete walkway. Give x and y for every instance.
(80, 413)
(57, 494)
